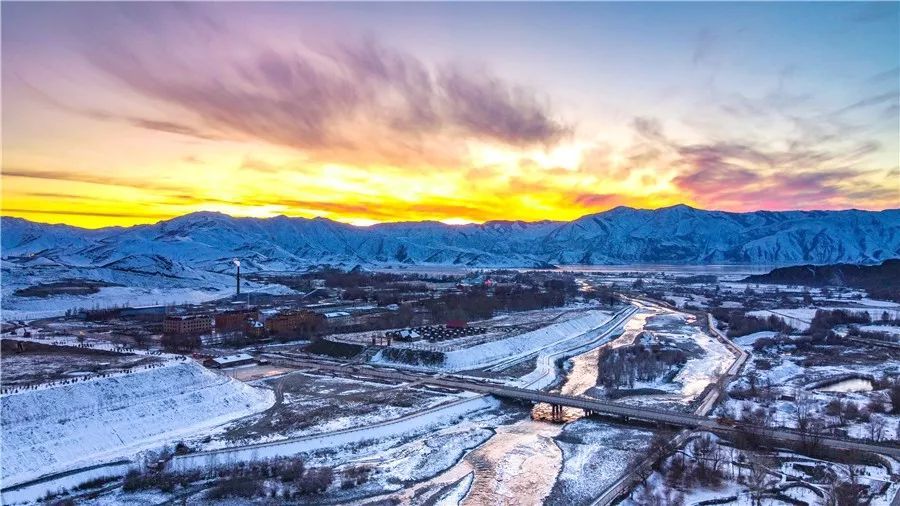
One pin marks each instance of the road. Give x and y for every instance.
(625, 482)
(873, 342)
(623, 411)
(688, 422)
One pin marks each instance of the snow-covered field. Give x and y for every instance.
(406, 425)
(314, 405)
(30, 308)
(709, 358)
(730, 480)
(800, 318)
(56, 429)
(700, 371)
(893, 330)
(783, 373)
(495, 329)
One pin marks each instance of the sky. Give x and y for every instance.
(127, 113)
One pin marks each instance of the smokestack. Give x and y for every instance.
(237, 263)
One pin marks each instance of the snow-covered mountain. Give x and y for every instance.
(200, 246)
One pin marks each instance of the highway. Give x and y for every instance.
(688, 423)
(625, 482)
(608, 408)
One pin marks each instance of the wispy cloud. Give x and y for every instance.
(357, 96)
(87, 212)
(90, 178)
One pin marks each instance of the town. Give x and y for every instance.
(450, 253)
(358, 367)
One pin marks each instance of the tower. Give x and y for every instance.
(237, 263)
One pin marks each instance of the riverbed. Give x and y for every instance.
(533, 460)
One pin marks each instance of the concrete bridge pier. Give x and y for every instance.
(556, 411)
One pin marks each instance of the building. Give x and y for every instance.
(100, 314)
(265, 314)
(187, 324)
(145, 313)
(294, 322)
(235, 319)
(255, 329)
(229, 361)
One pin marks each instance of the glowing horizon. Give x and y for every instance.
(459, 113)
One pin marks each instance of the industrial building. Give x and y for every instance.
(295, 322)
(229, 361)
(187, 324)
(235, 319)
(145, 313)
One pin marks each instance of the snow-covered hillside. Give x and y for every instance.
(60, 428)
(196, 250)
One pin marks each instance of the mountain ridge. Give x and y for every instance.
(880, 281)
(205, 242)
(620, 208)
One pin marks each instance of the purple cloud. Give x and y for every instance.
(335, 98)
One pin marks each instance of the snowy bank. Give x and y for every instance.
(61, 428)
(410, 424)
(519, 346)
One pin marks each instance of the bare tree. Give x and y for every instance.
(751, 379)
(804, 408)
(759, 478)
(838, 409)
(851, 411)
(812, 436)
(877, 425)
(678, 474)
(706, 453)
(847, 492)
(894, 395)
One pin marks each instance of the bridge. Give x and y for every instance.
(593, 406)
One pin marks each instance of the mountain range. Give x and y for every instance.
(201, 246)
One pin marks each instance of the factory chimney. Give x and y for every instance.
(237, 264)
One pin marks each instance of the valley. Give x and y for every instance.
(675, 364)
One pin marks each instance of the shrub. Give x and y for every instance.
(355, 476)
(235, 487)
(316, 481)
(96, 483)
(291, 471)
(163, 481)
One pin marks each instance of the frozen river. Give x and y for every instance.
(539, 461)
(849, 385)
(521, 462)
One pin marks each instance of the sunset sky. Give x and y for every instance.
(116, 114)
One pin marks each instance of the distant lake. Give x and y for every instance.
(692, 269)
